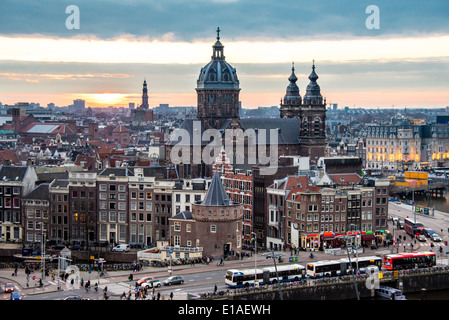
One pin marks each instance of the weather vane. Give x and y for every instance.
(218, 33)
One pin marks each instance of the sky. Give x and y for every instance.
(402, 63)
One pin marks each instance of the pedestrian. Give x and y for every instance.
(171, 295)
(215, 289)
(158, 296)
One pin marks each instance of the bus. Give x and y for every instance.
(362, 263)
(332, 268)
(412, 228)
(237, 278)
(412, 260)
(326, 268)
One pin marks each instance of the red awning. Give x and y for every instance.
(368, 237)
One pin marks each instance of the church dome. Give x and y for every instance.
(218, 73)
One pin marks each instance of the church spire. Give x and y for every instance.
(313, 91)
(217, 53)
(292, 89)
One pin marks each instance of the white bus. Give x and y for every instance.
(332, 268)
(326, 268)
(236, 278)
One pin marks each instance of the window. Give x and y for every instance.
(213, 228)
(177, 226)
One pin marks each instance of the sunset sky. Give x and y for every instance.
(121, 43)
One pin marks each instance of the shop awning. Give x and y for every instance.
(367, 237)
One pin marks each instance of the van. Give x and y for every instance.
(121, 248)
(428, 232)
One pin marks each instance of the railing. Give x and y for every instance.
(147, 255)
(182, 249)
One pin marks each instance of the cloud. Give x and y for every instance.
(249, 19)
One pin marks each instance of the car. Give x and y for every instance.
(58, 246)
(75, 247)
(421, 237)
(144, 280)
(152, 284)
(9, 287)
(16, 295)
(173, 280)
(394, 218)
(435, 237)
(121, 248)
(400, 224)
(75, 298)
(428, 232)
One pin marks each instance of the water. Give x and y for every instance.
(439, 204)
(429, 295)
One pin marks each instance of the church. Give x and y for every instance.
(300, 129)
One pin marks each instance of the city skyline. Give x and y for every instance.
(118, 45)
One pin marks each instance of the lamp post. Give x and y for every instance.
(350, 264)
(274, 256)
(255, 257)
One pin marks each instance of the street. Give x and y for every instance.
(439, 223)
(202, 278)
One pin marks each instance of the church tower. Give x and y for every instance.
(313, 120)
(291, 105)
(144, 104)
(217, 90)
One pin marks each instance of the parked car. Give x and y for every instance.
(121, 248)
(152, 284)
(75, 298)
(435, 237)
(9, 287)
(16, 295)
(75, 247)
(58, 246)
(428, 232)
(173, 280)
(144, 280)
(421, 237)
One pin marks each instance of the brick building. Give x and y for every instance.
(215, 224)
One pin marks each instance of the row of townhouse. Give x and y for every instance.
(308, 216)
(115, 205)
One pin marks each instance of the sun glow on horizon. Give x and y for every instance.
(105, 99)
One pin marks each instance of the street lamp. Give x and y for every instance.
(255, 257)
(274, 256)
(350, 263)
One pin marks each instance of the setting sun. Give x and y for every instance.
(106, 99)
